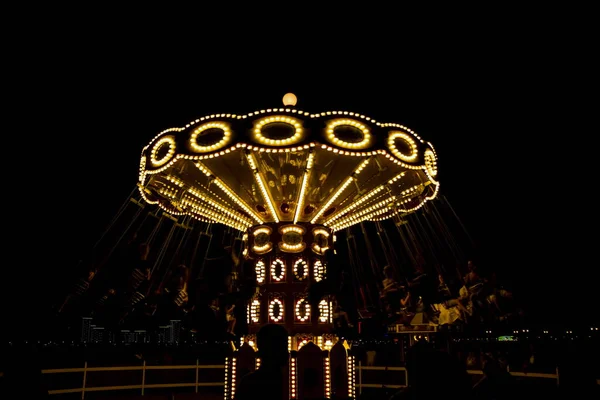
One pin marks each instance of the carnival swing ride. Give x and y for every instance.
(284, 185)
(289, 180)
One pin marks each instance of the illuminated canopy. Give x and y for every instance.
(285, 165)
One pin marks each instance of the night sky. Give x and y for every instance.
(507, 117)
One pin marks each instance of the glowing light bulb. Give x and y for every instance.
(289, 99)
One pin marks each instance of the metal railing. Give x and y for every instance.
(361, 368)
(362, 385)
(197, 384)
(143, 386)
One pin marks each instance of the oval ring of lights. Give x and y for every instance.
(319, 271)
(293, 122)
(297, 265)
(333, 139)
(299, 304)
(272, 305)
(259, 268)
(320, 238)
(431, 163)
(274, 276)
(410, 142)
(193, 142)
(168, 141)
(255, 311)
(323, 311)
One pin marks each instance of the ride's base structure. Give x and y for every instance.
(318, 367)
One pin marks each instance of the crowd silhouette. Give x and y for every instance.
(267, 382)
(211, 305)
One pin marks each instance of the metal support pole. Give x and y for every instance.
(84, 380)
(143, 376)
(197, 369)
(360, 378)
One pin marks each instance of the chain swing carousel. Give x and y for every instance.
(288, 180)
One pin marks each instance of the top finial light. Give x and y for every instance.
(289, 99)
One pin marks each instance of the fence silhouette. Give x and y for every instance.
(367, 377)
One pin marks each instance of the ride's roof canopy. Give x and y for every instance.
(334, 168)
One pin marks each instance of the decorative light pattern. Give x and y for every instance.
(255, 311)
(261, 246)
(293, 377)
(302, 303)
(331, 136)
(330, 312)
(261, 185)
(318, 271)
(389, 211)
(279, 304)
(292, 228)
(354, 204)
(327, 378)
(262, 229)
(164, 141)
(289, 243)
(388, 202)
(229, 192)
(262, 249)
(250, 340)
(233, 373)
(351, 377)
(339, 191)
(175, 180)
(226, 378)
(260, 270)
(320, 231)
(296, 124)
(303, 342)
(277, 263)
(222, 206)
(412, 145)
(193, 142)
(431, 162)
(316, 247)
(240, 214)
(324, 311)
(400, 210)
(300, 263)
(210, 211)
(142, 172)
(305, 178)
